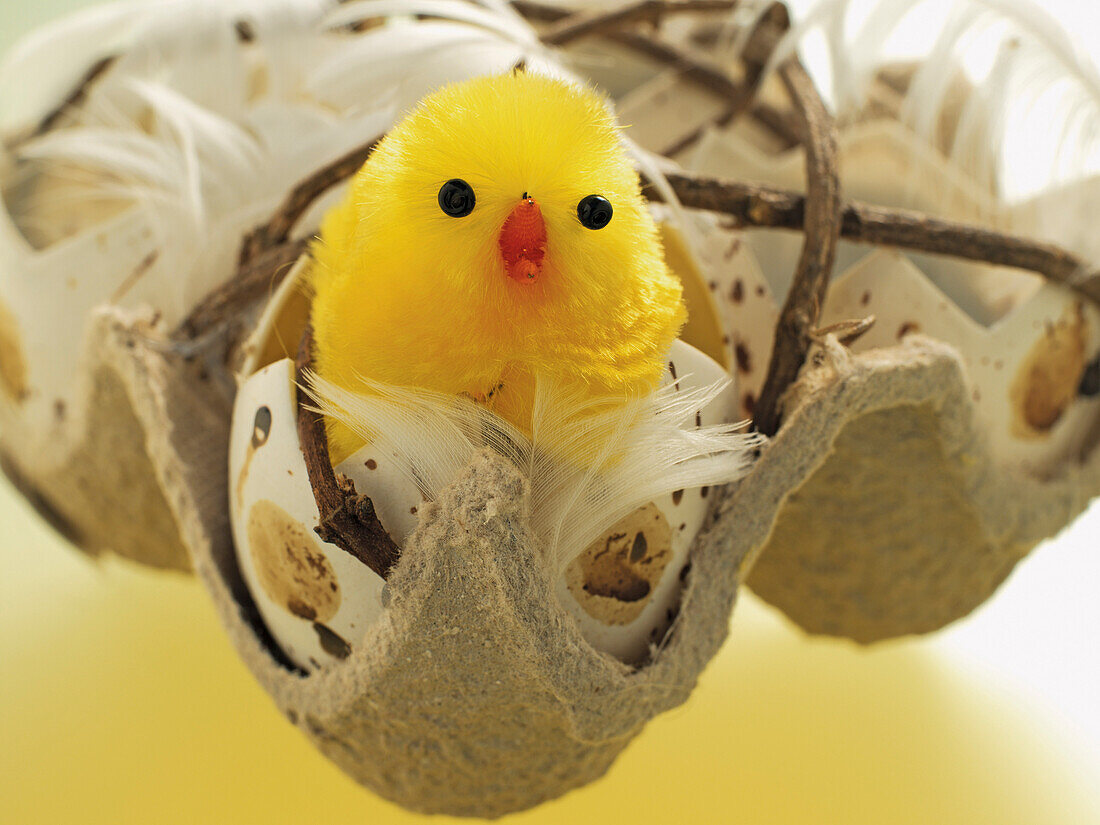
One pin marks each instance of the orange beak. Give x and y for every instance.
(523, 241)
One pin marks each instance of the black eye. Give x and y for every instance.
(456, 198)
(594, 212)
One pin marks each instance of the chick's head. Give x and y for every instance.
(498, 232)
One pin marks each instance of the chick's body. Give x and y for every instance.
(409, 295)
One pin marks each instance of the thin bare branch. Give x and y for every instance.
(78, 94)
(259, 277)
(741, 97)
(754, 205)
(347, 519)
(822, 219)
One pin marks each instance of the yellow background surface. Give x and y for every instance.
(121, 701)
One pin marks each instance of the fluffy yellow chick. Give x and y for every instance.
(496, 234)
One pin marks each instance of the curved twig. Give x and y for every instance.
(347, 519)
(78, 95)
(822, 219)
(740, 97)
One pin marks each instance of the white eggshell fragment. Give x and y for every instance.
(732, 288)
(624, 589)
(316, 599)
(1024, 371)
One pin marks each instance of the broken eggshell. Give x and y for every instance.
(317, 600)
(1002, 321)
(929, 545)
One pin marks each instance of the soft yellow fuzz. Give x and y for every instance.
(406, 295)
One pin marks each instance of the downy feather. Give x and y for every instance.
(633, 452)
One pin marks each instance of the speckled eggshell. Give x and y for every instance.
(1026, 344)
(732, 288)
(1024, 371)
(624, 589)
(316, 599)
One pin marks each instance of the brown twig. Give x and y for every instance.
(585, 24)
(347, 519)
(301, 197)
(750, 205)
(768, 207)
(822, 230)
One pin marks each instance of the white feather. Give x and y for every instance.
(632, 452)
(1033, 115)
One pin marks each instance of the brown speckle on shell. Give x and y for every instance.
(291, 568)
(744, 357)
(372, 464)
(748, 401)
(246, 32)
(1050, 377)
(737, 294)
(615, 576)
(261, 431)
(331, 642)
(908, 328)
(639, 547)
(261, 427)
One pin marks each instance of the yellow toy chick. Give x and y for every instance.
(496, 234)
